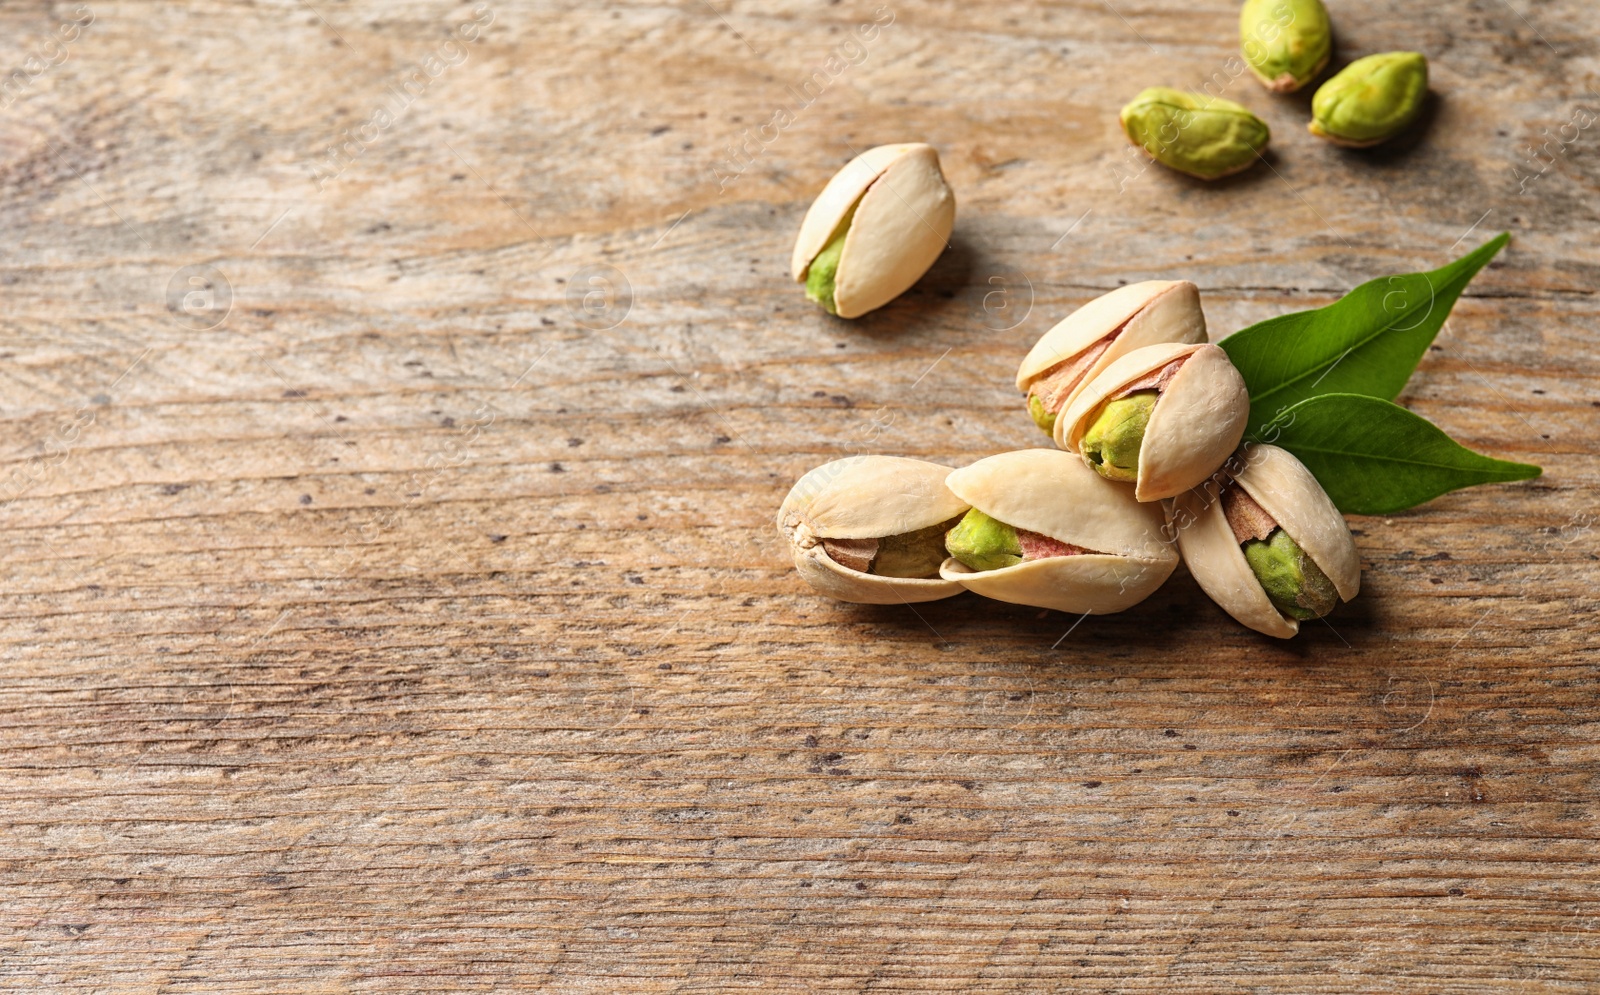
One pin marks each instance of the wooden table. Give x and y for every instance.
(392, 596)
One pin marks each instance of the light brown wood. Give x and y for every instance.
(416, 629)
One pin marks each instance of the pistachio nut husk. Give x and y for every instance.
(875, 229)
(1266, 543)
(1083, 544)
(870, 529)
(1206, 137)
(1371, 100)
(1286, 43)
(1069, 356)
(1197, 419)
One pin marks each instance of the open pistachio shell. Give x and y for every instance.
(1196, 424)
(1055, 494)
(904, 212)
(1138, 315)
(866, 497)
(1287, 491)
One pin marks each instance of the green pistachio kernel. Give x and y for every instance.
(1371, 100)
(913, 554)
(819, 278)
(1203, 136)
(983, 543)
(1112, 442)
(1285, 42)
(1294, 583)
(1042, 418)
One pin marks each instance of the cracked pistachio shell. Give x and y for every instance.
(1140, 314)
(904, 212)
(1196, 424)
(866, 497)
(1371, 100)
(1206, 137)
(1285, 42)
(1287, 491)
(1055, 494)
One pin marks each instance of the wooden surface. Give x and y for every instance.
(405, 626)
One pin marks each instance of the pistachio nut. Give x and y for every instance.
(1266, 543)
(1194, 421)
(1294, 583)
(984, 543)
(875, 229)
(1069, 356)
(870, 529)
(1203, 136)
(1114, 440)
(1371, 100)
(1047, 531)
(1285, 42)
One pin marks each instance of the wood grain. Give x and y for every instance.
(413, 628)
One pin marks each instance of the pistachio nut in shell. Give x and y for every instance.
(870, 529)
(1069, 356)
(1371, 100)
(875, 229)
(1206, 137)
(1085, 545)
(1286, 43)
(1269, 536)
(1197, 420)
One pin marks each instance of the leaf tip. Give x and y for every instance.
(1491, 248)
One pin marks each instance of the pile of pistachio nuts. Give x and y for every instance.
(1147, 417)
(1286, 44)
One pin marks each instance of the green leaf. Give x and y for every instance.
(1374, 457)
(1367, 342)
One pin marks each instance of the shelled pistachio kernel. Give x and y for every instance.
(1112, 443)
(1294, 583)
(1286, 43)
(824, 269)
(983, 543)
(1371, 100)
(908, 554)
(1206, 137)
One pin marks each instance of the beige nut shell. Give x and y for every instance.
(1056, 494)
(866, 497)
(1194, 428)
(1288, 492)
(1142, 314)
(905, 212)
